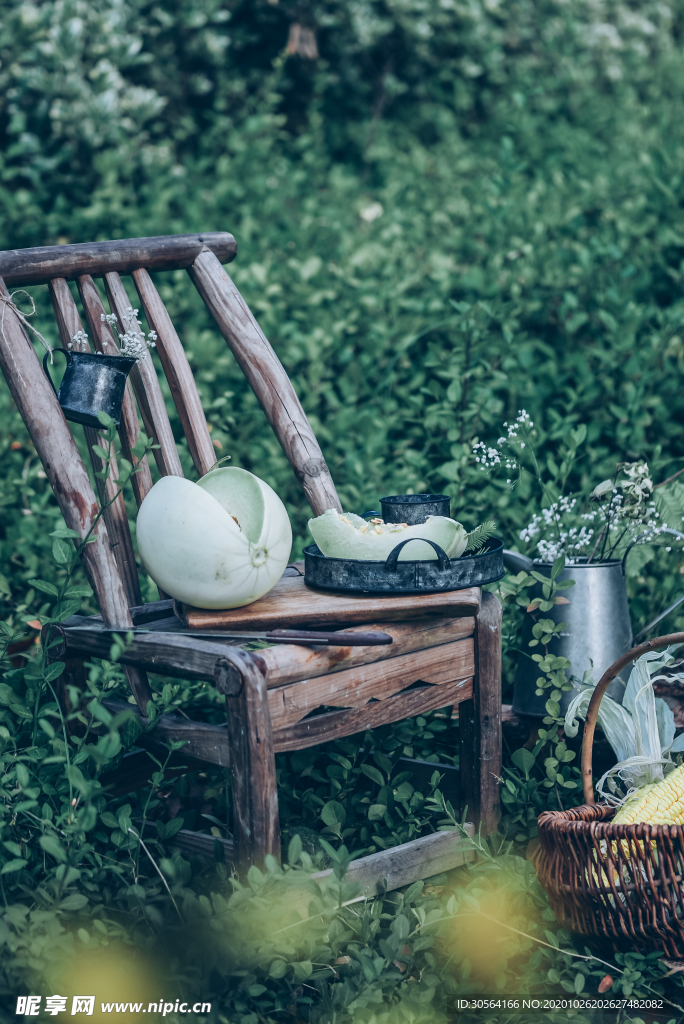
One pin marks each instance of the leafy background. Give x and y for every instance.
(454, 212)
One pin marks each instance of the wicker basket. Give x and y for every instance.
(618, 884)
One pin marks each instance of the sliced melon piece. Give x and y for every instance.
(349, 536)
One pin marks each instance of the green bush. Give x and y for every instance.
(456, 212)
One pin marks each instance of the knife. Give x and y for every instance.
(274, 636)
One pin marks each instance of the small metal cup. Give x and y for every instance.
(414, 509)
(91, 384)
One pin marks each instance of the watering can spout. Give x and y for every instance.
(516, 562)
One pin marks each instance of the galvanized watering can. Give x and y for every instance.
(91, 384)
(598, 629)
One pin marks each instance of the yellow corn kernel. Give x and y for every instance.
(661, 803)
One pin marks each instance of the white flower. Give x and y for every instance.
(371, 212)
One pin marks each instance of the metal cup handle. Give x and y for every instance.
(364, 514)
(45, 359)
(443, 559)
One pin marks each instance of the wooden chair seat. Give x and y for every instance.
(445, 650)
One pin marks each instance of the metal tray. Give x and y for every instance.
(395, 577)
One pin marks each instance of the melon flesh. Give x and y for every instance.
(220, 543)
(344, 536)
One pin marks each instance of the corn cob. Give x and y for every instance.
(661, 803)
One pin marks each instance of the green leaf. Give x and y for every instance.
(523, 759)
(278, 969)
(77, 901)
(108, 819)
(478, 537)
(376, 812)
(13, 865)
(62, 551)
(557, 566)
(44, 586)
(333, 814)
(101, 452)
(54, 670)
(53, 846)
(106, 420)
(78, 591)
(373, 774)
(173, 826)
(294, 851)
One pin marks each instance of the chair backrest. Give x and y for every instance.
(109, 562)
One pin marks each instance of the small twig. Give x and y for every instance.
(133, 832)
(669, 479)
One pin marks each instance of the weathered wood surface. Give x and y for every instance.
(376, 874)
(334, 724)
(292, 603)
(178, 374)
(69, 323)
(283, 665)
(354, 687)
(268, 380)
(487, 695)
(202, 741)
(61, 461)
(150, 612)
(480, 722)
(408, 863)
(105, 341)
(147, 390)
(254, 790)
(184, 657)
(210, 742)
(163, 252)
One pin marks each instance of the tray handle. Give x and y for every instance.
(443, 559)
(601, 687)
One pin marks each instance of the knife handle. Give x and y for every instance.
(360, 639)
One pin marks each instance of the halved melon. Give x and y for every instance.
(349, 536)
(220, 543)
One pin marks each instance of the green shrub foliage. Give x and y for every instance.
(452, 213)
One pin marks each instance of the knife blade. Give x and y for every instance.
(370, 638)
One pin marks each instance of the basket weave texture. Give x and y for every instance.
(619, 884)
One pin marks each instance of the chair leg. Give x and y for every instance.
(480, 722)
(256, 826)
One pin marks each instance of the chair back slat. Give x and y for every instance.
(105, 341)
(147, 390)
(21, 267)
(268, 380)
(178, 374)
(61, 461)
(115, 516)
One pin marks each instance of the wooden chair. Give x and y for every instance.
(446, 650)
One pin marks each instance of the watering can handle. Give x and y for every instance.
(45, 359)
(596, 697)
(442, 558)
(663, 529)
